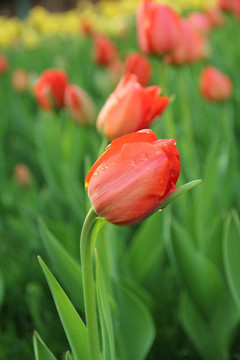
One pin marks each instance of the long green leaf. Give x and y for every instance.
(41, 351)
(105, 314)
(67, 268)
(231, 254)
(73, 325)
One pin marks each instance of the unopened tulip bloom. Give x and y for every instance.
(49, 89)
(132, 177)
(3, 63)
(192, 47)
(22, 175)
(130, 108)
(104, 50)
(158, 28)
(215, 17)
(20, 81)
(214, 85)
(139, 65)
(80, 105)
(200, 22)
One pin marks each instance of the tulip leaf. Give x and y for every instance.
(105, 314)
(68, 356)
(200, 276)
(177, 192)
(147, 240)
(67, 268)
(73, 325)
(136, 330)
(1, 288)
(231, 253)
(41, 350)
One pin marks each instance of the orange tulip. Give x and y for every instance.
(80, 105)
(49, 89)
(139, 65)
(214, 85)
(22, 175)
(20, 81)
(104, 50)
(158, 28)
(130, 108)
(132, 177)
(192, 46)
(3, 63)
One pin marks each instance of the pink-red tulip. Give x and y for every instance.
(158, 28)
(49, 89)
(22, 175)
(139, 65)
(192, 46)
(231, 5)
(20, 80)
(214, 85)
(132, 177)
(80, 105)
(200, 22)
(3, 63)
(104, 50)
(130, 108)
(215, 17)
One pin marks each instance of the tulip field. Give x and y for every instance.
(120, 178)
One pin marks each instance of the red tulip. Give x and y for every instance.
(215, 17)
(158, 28)
(231, 5)
(20, 81)
(80, 105)
(131, 178)
(104, 50)
(192, 46)
(49, 89)
(200, 22)
(214, 85)
(130, 108)
(139, 65)
(3, 63)
(22, 175)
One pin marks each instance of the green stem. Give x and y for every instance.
(87, 243)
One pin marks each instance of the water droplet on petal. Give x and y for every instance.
(95, 173)
(108, 146)
(143, 157)
(132, 162)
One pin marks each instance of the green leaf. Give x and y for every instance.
(73, 325)
(147, 240)
(68, 356)
(136, 328)
(105, 314)
(231, 254)
(176, 193)
(200, 276)
(67, 268)
(41, 351)
(1, 288)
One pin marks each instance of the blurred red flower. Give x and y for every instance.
(214, 85)
(138, 64)
(104, 50)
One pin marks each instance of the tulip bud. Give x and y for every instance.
(49, 89)
(3, 63)
(130, 108)
(20, 81)
(139, 65)
(192, 46)
(104, 50)
(200, 22)
(214, 85)
(215, 17)
(22, 175)
(158, 28)
(80, 105)
(132, 177)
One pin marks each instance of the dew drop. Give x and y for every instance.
(108, 146)
(143, 157)
(95, 173)
(132, 162)
(158, 152)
